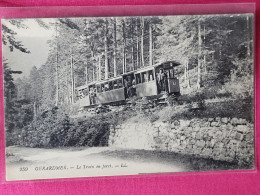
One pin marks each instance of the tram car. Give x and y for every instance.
(144, 82)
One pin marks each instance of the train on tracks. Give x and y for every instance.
(145, 82)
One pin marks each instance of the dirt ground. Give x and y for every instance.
(37, 163)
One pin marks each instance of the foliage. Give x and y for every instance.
(54, 128)
(8, 37)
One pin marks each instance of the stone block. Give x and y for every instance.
(229, 127)
(231, 154)
(211, 119)
(208, 144)
(224, 120)
(207, 152)
(242, 121)
(184, 123)
(233, 145)
(194, 123)
(217, 119)
(193, 134)
(211, 132)
(184, 142)
(197, 150)
(219, 145)
(200, 144)
(205, 124)
(206, 137)
(214, 124)
(217, 135)
(196, 129)
(242, 128)
(234, 121)
(192, 141)
(199, 136)
(223, 126)
(249, 137)
(239, 136)
(232, 134)
(176, 123)
(189, 147)
(213, 142)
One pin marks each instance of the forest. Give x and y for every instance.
(215, 53)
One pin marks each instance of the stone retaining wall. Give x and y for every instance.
(218, 138)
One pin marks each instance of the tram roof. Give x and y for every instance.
(144, 69)
(82, 87)
(172, 63)
(109, 79)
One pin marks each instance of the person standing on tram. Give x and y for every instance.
(162, 80)
(129, 86)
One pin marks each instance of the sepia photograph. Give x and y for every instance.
(108, 96)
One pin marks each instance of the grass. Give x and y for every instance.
(230, 108)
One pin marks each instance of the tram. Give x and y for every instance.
(143, 82)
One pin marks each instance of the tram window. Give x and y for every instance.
(102, 88)
(150, 75)
(84, 91)
(110, 85)
(120, 83)
(138, 78)
(78, 93)
(98, 88)
(106, 87)
(115, 84)
(144, 77)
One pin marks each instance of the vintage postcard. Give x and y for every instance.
(113, 96)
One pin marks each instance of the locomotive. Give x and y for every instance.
(144, 82)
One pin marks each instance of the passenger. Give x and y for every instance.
(102, 89)
(91, 94)
(133, 87)
(125, 88)
(94, 95)
(145, 77)
(129, 86)
(162, 81)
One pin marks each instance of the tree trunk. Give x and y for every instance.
(72, 78)
(99, 68)
(124, 45)
(205, 64)
(249, 53)
(132, 44)
(86, 71)
(67, 84)
(34, 110)
(137, 44)
(57, 66)
(186, 74)
(106, 49)
(204, 56)
(93, 73)
(142, 41)
(115, 48)
(150, 45)
(199, 58)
